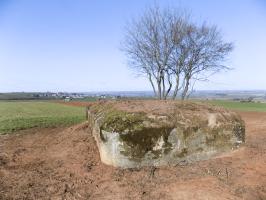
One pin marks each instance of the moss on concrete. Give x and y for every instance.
(238, 130)
(113, 120)
(183, 153)
(137, 143)
(119, 121)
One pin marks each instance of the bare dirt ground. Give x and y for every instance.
(63, 163)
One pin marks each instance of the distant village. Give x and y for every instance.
(71, 96)
(66, 96)
(59, 95)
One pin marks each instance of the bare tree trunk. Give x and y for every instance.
(176, 87)
(191, 90)
(184, 93)
(159, 89)
(170, 85)
(163, 92)
(153, 86)
(168, 91)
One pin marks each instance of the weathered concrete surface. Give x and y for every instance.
(154, 133)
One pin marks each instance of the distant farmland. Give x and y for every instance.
(241, 106)
(22, 115)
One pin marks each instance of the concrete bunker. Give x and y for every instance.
(139, 133)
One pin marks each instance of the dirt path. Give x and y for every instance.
(64, 164)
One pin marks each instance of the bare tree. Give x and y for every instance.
(172, 52)
(204, 53)
(149, 45)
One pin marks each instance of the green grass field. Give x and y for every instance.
(240, 106)
(19, 115)
(22, 115)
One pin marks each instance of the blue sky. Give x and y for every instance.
(67, 45)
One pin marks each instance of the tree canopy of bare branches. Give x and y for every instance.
(173, 52)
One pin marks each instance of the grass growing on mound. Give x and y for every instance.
(118, 121)
(22, 115)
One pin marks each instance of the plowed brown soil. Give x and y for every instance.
(63, 163)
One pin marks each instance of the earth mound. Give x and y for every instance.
(139, 133)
